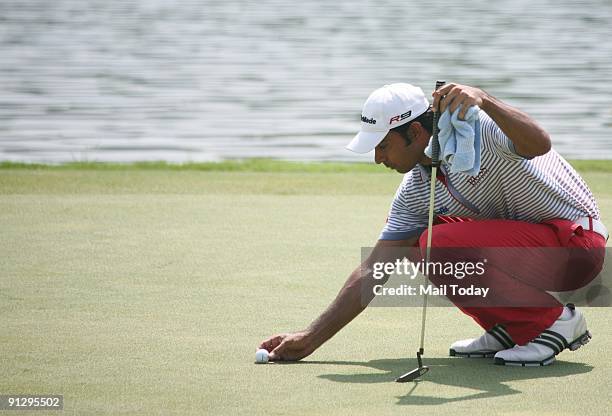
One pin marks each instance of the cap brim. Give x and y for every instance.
(365, 142)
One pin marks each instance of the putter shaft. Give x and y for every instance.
(435, 152)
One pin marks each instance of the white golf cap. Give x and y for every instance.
(386, 108)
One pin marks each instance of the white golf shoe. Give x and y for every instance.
(486, 346)
(570, 333)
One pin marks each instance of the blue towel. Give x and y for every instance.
(459, 141)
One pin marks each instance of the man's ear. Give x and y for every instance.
(418, 132)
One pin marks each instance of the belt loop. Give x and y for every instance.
(590, 223)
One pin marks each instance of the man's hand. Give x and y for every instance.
(349, 303)
(529, 139)
(458, 96)
(288, 347)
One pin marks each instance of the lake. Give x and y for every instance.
(102, 80)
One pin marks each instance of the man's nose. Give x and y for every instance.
(379, 156)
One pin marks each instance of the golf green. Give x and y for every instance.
(147, 290)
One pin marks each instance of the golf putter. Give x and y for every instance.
(435, 162)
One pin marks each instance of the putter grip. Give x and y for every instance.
(435, 144)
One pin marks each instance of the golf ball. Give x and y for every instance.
(261, 356)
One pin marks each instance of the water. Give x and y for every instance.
(183, 81)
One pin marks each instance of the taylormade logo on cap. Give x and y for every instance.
(386, 108)
(368, 120)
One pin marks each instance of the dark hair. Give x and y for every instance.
(426, 120)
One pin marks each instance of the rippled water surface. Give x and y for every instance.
(207, 80)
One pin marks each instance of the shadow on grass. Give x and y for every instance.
(480, 375)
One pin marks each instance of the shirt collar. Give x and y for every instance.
(424, 172)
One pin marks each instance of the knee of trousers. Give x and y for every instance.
(445, 248)
(443, 236)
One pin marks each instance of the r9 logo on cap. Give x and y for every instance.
(400, 117)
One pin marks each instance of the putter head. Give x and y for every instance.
(412, 375)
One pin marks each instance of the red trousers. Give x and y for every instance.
(545, 273)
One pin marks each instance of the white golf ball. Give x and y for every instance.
(261, 356)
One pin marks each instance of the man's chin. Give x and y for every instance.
(398, 170)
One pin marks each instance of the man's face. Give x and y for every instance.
(396, 154)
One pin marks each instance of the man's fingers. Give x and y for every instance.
(444, 103)
(463, 104)
(439, 93)
(453, 97)
(448, 99)
(458, 103)
(272, 342)
(464, 109)
(444, 89)
(277, 353)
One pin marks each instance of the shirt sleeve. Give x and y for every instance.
(494, 139)
(406, 217)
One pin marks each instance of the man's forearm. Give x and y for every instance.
(356, 293)
(528, 137)
(345, 307)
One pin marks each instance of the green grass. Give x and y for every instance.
(253, 165)
(146, 291)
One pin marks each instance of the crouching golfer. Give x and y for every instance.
(524, 195)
